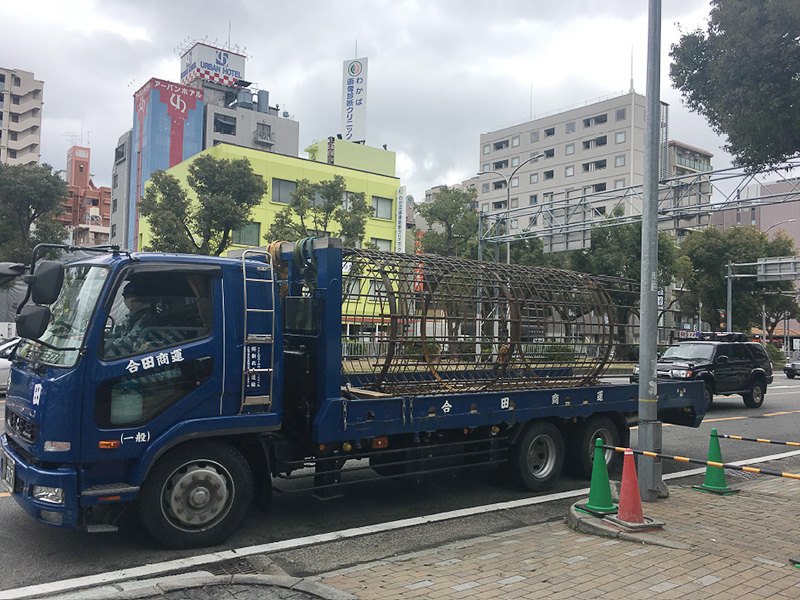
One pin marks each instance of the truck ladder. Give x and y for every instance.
(256, 342)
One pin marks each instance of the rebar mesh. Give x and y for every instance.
(427, 324)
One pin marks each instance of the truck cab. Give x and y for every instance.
(140, 353)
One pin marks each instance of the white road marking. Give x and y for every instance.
(148, 571)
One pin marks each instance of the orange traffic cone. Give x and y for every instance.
(630, 502)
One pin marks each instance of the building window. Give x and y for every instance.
(14, 118)
(515, 141)
(382, 207)
(550, 153)
(534, 178)
(596, 120)
(515, 182)
(500, 164)
(499, 185)
(547, 197)
(485, 168)
(595, 142)
(113, 205)
(620, 114)
(282, 190)
(514, 202)
(2, 78)
(533, 200)
(263, 132)
(224, 124)
(14, 99)
(534, 136)
(619, 137)
(619, 161)
(570, 127)
(533, 221)
(113, 230)
(752, 216)
(600, 210)
(569, 171)
(501, 145)
(594, 165)
(550, 132)
(599, 187)
(549, 175)
(248, 235)
(485, 207)
(80, 168)
(115, 180)
(515, 161)
(381, 244)
(569, 149)
(16, 81)
(485, 188)
(486, 148)
(619, 184)
(12, 135)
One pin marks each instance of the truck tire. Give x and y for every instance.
(196, 495)
(580, 453)
(755, 397)
(708, 396)
(537, 457)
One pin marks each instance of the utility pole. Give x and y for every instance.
(649, 426)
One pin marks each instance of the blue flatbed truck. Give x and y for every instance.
(234, 380)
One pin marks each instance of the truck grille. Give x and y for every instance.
(21, 426)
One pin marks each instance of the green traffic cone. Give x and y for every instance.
(715, 476)
(600, 502)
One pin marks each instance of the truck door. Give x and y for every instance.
(725, 372)
(158, 360)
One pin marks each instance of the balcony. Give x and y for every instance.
(689, 163)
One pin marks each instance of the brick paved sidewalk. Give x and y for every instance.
(739, 547)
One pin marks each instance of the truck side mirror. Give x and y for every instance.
(32, 321)
(46, 281)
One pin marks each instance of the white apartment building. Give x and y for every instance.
(20, 117)
(589, 153)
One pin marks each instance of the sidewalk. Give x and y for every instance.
(727, 547)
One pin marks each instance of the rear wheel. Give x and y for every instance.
(790, 374)
(755, 397)
(581, 450)
(537, 457)
(196, 495)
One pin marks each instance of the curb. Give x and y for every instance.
(586, 523)
(159, 588)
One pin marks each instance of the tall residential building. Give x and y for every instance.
(586, 152)
(20, 117)
(172, 122)
(88, 207)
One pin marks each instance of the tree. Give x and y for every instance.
(226, 191)
(313, 209)
(710, 250)
(31, 198)
(453, 223)
(742, 75)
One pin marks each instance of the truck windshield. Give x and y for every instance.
(689, 352)
(70, 317)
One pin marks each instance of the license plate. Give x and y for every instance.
(7, 469)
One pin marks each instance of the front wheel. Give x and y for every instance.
(196, 495)
(755, 397)
(790, 374)
(708, 396)
(537, 457)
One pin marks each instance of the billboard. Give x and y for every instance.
(354, 100)
(202, 61)
(167, 129)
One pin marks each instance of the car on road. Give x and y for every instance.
(727, 363)
(6, 350)
(792, 368)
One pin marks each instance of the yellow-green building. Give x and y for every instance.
(364, 169)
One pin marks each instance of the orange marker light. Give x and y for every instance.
(108, 444)
(380, 442)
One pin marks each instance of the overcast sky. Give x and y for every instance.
(441, 72)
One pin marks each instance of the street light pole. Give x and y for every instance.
(507, 180)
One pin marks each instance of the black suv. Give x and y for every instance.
(727, 362)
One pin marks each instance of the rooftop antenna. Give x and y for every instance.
(229, 34)
(631, 68)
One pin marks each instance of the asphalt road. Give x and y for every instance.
(31, 553)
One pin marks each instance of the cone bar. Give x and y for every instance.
(600, 502)
(715, 476)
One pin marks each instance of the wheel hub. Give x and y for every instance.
(198, 495)
(541, 456)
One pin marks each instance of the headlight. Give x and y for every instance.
(48, 494)
(680, 373)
